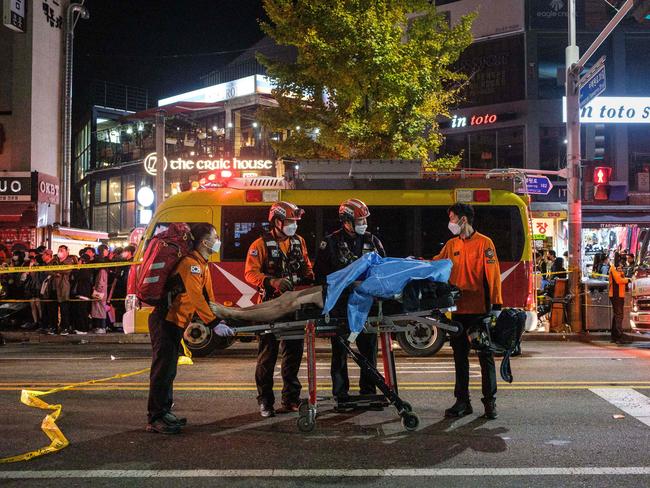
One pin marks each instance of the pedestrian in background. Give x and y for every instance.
(62, 286)
(617, 287)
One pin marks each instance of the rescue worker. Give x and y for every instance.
(476, 272)
(275, 263)
(189, 292)
(617, 285)
(339, 249)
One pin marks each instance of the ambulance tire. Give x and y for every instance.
(202, 342)
(424, 341)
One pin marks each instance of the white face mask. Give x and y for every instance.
(61, 256)
(360, 229)
(290, 229)
(454, 228)
(216, 246)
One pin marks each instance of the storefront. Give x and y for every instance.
(27, 208)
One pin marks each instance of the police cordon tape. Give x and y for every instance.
(66, 267)
(32, 398)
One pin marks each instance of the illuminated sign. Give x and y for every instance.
(486, 119)
(16, 187)
(13, 15)
(224, 91)
(614, 110)
(207, 164)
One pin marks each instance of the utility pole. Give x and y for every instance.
(575, 65)
(159, 183)
(66, 157)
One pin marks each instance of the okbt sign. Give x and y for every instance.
(207, 164)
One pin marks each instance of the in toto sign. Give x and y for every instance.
(207, 164)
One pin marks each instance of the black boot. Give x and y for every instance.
(459, 409)
(490, 409)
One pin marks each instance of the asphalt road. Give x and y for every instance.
(578, 414)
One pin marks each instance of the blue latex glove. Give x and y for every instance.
(222, 330)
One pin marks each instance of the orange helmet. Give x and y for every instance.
(285, 210)
(353, 209)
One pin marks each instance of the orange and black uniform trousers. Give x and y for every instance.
(165, 343)
(460, 346)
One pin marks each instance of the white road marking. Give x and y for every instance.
(328, 473)
(632, 402)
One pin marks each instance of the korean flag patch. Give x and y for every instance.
(253, 252)
(195, 270)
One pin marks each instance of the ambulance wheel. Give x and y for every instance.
(201, 341)
(303, 409)
(306, 424)
(422, 340)
(410, 421)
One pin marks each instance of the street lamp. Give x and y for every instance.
(67, 109)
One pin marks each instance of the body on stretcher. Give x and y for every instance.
(421, 302)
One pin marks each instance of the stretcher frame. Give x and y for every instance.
(384, 326)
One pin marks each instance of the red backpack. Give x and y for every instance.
(159, 260)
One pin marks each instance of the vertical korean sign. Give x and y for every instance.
(13, 14)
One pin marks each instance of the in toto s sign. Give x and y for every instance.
(614, 110)
(207, 164)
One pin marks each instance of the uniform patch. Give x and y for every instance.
(323, 244)
(275, 253)
(489, 253)
(491, 261)
(253, 252)
(195, 269)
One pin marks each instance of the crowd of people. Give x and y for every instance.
(71, 301)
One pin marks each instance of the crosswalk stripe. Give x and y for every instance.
(632, 402)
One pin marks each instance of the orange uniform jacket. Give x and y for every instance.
(475, 271)
(617, 282)
(194, 272)
(257, 256)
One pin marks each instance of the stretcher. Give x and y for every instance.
(420, 304)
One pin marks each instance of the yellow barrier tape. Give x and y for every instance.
(31, 398)
(66, 267)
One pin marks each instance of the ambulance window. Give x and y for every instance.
(240, 226)
(394, 227)
(504, 226)
(434, 230)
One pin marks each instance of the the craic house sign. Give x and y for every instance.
(235, 164)
(15, 187)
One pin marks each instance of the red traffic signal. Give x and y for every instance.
(601, 175)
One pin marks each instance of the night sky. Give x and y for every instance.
(130, 42)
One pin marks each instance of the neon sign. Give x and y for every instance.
(207, 164)
(486, 119)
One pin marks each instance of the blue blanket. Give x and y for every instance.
(381, 278)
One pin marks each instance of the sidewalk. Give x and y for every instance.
(119, 338)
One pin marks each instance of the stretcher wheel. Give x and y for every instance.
(410, 421)
(306, 424)
(303, 409)
(407, 407)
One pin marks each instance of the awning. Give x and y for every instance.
(80, 234)
(178, 108)
(13, 214)
(615, 214)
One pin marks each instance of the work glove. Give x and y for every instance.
(281, 284)
(222, 330)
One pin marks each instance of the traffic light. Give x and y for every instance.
(601, 182)
(641, 10)
(599, 142)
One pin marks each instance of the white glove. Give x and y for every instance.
(222, 330)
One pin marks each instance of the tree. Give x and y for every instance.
(369, 79)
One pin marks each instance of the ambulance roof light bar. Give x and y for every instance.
(368, 169)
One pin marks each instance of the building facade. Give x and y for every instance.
(31, 59)
(513, 113)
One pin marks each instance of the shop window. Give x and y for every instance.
(114, 217)
(128, 188)
(241, 226)
(510, 148)
(100, 218)
(482, 150)
(101, 191)
(115, 190)
(128, 216)
(552, 150)
(638, 137)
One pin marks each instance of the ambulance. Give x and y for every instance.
(408, 213)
